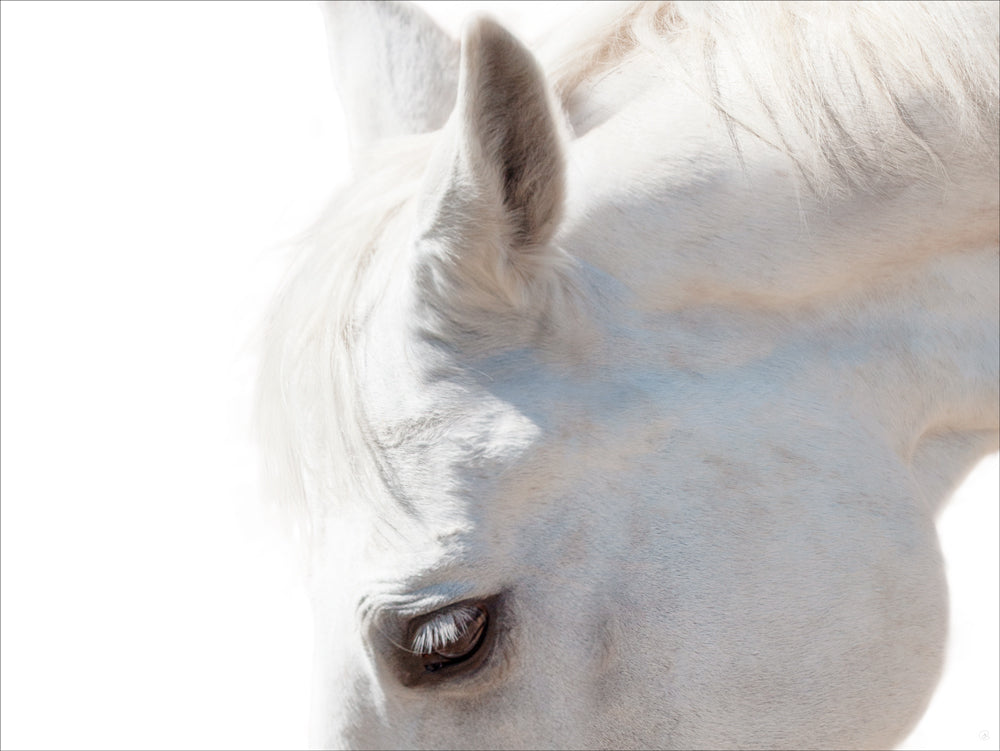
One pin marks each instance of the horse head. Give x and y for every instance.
(616, 421)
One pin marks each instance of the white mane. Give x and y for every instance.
(838, 81)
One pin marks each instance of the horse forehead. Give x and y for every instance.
(464, 423)
(442, 437)
(486, 436)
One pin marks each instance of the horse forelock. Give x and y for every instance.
(308, 417)
(849, 91)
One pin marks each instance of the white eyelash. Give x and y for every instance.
(443, 629)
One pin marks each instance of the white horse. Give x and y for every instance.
(617, 395)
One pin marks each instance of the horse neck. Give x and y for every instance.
(889, 297)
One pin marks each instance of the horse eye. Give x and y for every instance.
(450, 636)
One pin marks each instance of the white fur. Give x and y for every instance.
(686, 386)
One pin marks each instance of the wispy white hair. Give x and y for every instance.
(309, 424)
(848, 87)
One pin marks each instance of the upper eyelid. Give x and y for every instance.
(392, 623)
(390, 613)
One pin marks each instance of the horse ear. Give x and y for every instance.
(395, 68)
(496, 182)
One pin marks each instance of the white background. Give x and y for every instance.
(154, 156)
